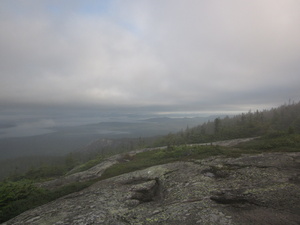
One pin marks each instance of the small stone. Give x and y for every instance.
(156, 212)
(33, 219)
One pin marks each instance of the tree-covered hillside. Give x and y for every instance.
(284, 119)
(279, 128)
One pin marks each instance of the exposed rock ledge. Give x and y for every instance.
(253, 189)
(96, 171)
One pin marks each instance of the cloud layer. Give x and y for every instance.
(194, 55)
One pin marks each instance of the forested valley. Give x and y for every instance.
(275, 121)
(276, 129)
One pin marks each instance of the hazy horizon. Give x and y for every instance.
(32, 123)
(146, 57)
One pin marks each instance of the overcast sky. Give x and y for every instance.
(160, 55)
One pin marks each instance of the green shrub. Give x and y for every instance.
(87, 165)
(17, 197)
(162, 156)
(278, 142)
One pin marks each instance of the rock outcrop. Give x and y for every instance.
(252, 189)
(97, 171)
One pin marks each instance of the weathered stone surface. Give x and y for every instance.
(259, 189)
(89, 174)
(96, 171)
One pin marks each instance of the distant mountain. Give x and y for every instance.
(158, 119)
(189, 121)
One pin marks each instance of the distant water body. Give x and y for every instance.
(32, 123)
(25, 127)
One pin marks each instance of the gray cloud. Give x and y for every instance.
(198, 55)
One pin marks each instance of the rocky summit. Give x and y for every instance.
(251, 189)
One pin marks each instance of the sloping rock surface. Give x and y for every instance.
(97, 171)
(252, 189)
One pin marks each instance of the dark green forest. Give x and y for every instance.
(284, 119)
(277, 129)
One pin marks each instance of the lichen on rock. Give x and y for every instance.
(257, 189)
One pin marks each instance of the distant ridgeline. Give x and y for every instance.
(284, 119)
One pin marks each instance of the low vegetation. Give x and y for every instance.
(161, 156)
(279, 130)
(283, 142)
(276, 142)
(89, 164)
(284, 119)
(19, 196)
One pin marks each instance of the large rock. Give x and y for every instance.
(260, 189)
(97, 171)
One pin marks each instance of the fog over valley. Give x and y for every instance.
(149, 112)
(26, 123)
(71, 69)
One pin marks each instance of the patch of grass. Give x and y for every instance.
(42, 173)
(271, 143)
(162, 156)
(283, 142)
(87, 165)
(17, 197)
